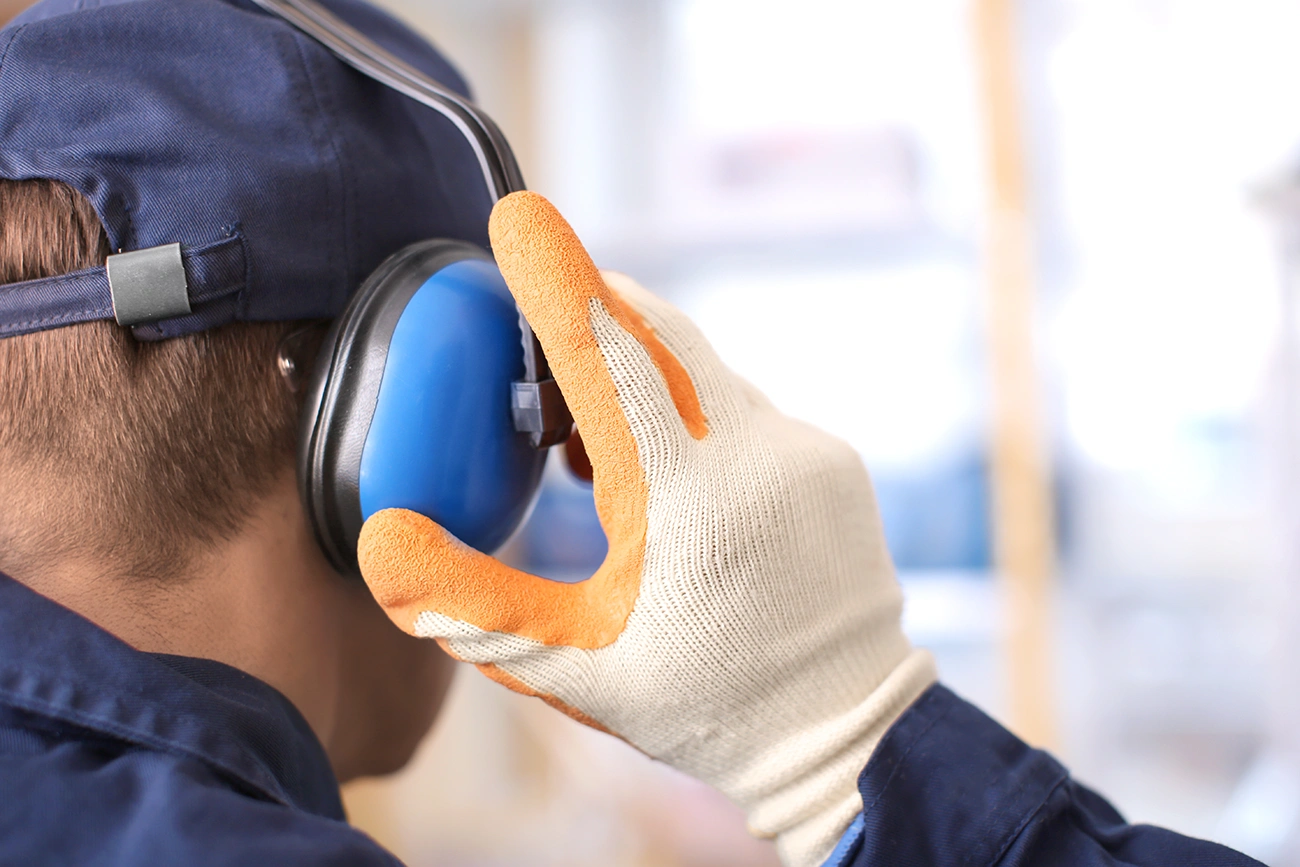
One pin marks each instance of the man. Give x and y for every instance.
(183, 678)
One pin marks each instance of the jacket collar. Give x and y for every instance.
(56, 664)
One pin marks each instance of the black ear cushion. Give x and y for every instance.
(344, 388)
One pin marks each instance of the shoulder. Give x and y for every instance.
(88, 804)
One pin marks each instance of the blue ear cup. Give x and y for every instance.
(410, 404)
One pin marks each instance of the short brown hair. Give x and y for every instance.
(115, 448)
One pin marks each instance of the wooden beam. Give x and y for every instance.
(1024, 549)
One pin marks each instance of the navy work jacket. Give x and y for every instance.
(111, 756)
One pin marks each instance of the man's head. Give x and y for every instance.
(149, 486)
(147, 471)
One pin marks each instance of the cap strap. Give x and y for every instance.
(210, 272)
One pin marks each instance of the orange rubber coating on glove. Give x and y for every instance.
(680, 386)
(413, 565)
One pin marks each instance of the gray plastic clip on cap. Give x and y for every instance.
(148, 285)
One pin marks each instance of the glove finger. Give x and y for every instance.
(559, 289)
(415, 567)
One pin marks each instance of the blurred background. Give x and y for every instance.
(1032, 259)
(1039, 262)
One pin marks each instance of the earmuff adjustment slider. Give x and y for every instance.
(539, 410)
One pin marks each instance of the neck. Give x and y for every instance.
(268, 603)
(263, 602)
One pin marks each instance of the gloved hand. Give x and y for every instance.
(744, 627)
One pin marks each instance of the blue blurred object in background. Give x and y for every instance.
(937, 518)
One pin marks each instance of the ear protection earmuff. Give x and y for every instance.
(423, 395)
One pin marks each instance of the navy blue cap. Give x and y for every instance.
(284, 175)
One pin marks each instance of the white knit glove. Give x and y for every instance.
(744, 627)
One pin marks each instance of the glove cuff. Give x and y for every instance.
(803, 790)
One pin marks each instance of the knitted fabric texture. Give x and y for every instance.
(762, 650)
